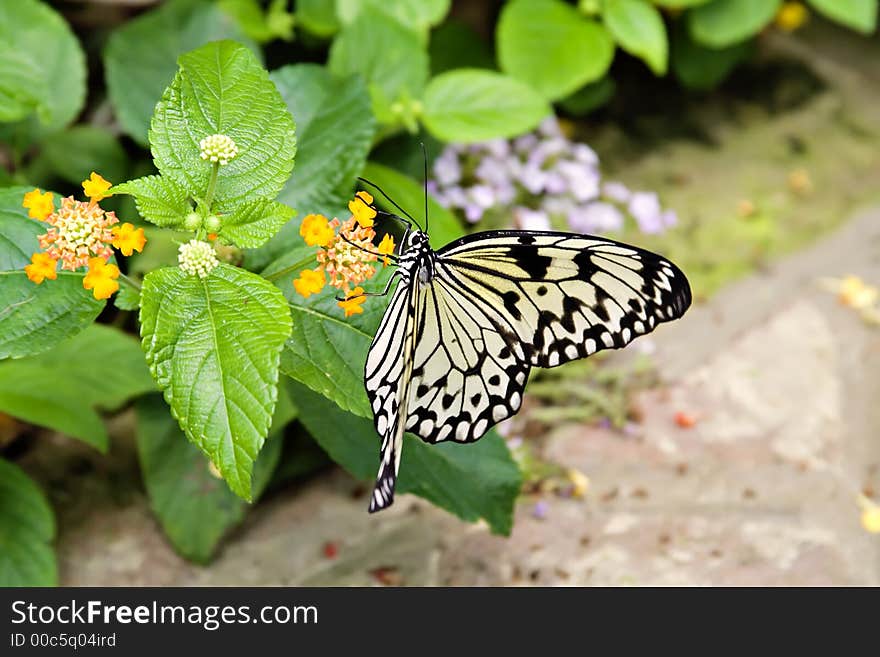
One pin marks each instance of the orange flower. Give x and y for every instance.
(791, 16)
(386, 247)
(42, 267)
(347, 258)
(96, 187)
(128, 239)
(361, 208)
(39, 205)
(316, 230)
(353, 302)
(101, 278)
(310, 282)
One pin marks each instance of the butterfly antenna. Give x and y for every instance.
(389, 199)
(425, 160)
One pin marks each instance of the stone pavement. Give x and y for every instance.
(783, 383)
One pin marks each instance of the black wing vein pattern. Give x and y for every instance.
(499, 303)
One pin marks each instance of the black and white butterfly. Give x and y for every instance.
(466, 324)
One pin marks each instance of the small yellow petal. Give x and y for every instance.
(42, 267)
(96, 187)
(353, 302)
(39, 205)
(310, 282)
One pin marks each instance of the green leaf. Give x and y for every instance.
(680, 4)
(456, 45)
(317, 17)
(128, 298)
(703, 68)
(254, 222)
(40, 34)
(417, 15)
(478, 480)
(387, 54)
(213, 347)
(335, 131)
(100, 367)
(590, 97)
(194, 507)
(470, 105)
(550, 46)
(275, 23)
(141, 56)
(34, 318)
(22, 87)
(724, 23)
(158, 199)
(221, 88)
(638, 28)
(27, 529)
(859, 15)
(76, 152)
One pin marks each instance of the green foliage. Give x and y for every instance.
(469, 105)
(486, 479)
(723, 23)
(276, 22)
(698, 67)
(27, 529)
(141, 56)
(417, 15)
(43, 66)
(196, 508)
(859, 15)
(34, 318)
(388, 55)
(590, 97)
(638, 28)
(317, 17)
(158, 199)
(74, 153)
(99, 368)
(249, 110)
(548, 45)
(213, 347)
(335, 131)
(455, 45)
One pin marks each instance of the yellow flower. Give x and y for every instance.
(352, 304)
(870, 515)
(791, 16)
(101, 278)
(580, 482)
(386, 247)
(310, 282)
(39, 205)
(42, 267)
(128, 239)
(854, 293)
(360, 207)
(96, 187)
(78, 231)
(316, 230)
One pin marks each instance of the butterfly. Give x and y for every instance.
(466, 324)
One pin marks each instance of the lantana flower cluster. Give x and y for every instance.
(347, 254)
(539, 181)
(81, 234)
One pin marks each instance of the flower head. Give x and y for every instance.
(361, 207)
(39, 205)
(310, 281)
(316, 230)
(197, 258)
(128, 239)
(854, 292)
(42, 266)
(96, 187)
(870, 515)
(79, 231)
(353, 302)
(101, 278)
(347, 259)
(218, 148)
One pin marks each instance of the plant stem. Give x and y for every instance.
(130, 281)
(287, 270)
(212, 185)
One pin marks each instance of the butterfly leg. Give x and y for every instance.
(373, 294)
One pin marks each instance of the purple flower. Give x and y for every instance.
(525, 143)
(555, 183)
(447, 169)
(645, 209)
(585, 154)
(549, 127)
(595, 217)
(505, 192)
(583, 180)
(498, 148)
(528, 219)
(482, 195)
(491, 171)
(616, 191)
(473, 213)
(532, 178)
(540, 509)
